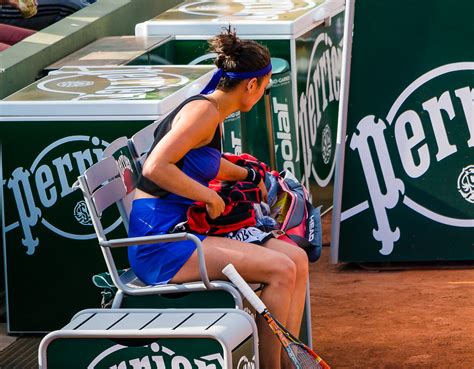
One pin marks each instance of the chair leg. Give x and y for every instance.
(117, 300)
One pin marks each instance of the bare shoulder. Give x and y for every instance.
(196, 122)
(201, 108)
(202, 111)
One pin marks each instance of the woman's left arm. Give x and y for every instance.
(231, 172)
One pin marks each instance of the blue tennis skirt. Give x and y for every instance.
(159, 262)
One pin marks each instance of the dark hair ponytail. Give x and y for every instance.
(236, 55)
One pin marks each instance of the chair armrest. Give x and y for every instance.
(123, 242)
(144, 240)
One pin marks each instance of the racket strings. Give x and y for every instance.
(304, 358)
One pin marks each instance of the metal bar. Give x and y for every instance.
(342, 127)
(269, 122)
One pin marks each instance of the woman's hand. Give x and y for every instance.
(215, 205)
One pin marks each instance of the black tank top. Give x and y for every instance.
(163, 128)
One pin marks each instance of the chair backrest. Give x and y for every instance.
(120, 150)
(102, 186)
(141, 142)
(129, 155)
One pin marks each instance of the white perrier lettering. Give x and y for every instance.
(49, 181)
(413, 149)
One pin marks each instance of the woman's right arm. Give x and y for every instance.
(193, 127)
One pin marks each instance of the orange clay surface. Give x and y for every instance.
(412, 316)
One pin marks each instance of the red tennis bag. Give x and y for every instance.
(294, 213)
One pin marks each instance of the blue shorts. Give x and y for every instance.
(159, 262)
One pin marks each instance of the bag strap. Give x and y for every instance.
(297, 210)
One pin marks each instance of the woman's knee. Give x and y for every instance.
(297, 255)
(283, 272)
(300, 258)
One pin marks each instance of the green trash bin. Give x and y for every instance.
(308, 35)
(50, 132)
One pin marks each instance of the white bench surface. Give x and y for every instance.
(231, 326)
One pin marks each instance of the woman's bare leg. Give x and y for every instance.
(296, 310)
(299, 257)
(256, 264)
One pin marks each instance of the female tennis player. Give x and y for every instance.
(184, 158)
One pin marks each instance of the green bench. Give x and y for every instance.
(152, 338)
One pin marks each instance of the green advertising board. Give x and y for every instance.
(306, 34)
(232, 134)
(103, 353)
(405, 179)
(319, 56)
(284, 135)
(50, 132)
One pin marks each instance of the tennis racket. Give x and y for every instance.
(300, 354)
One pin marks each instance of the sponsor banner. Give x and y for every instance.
(319, 57)
(162, 354)
(231, 134)
(285, 133)
(45, 184)
(408, 184)
(50, 246)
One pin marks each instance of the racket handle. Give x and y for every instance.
(234, 276)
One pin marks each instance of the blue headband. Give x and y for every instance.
(219, 73)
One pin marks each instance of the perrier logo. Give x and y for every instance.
(153, 356)
(89, 84)
(43, 194)
(317, 107)
(424, 145)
